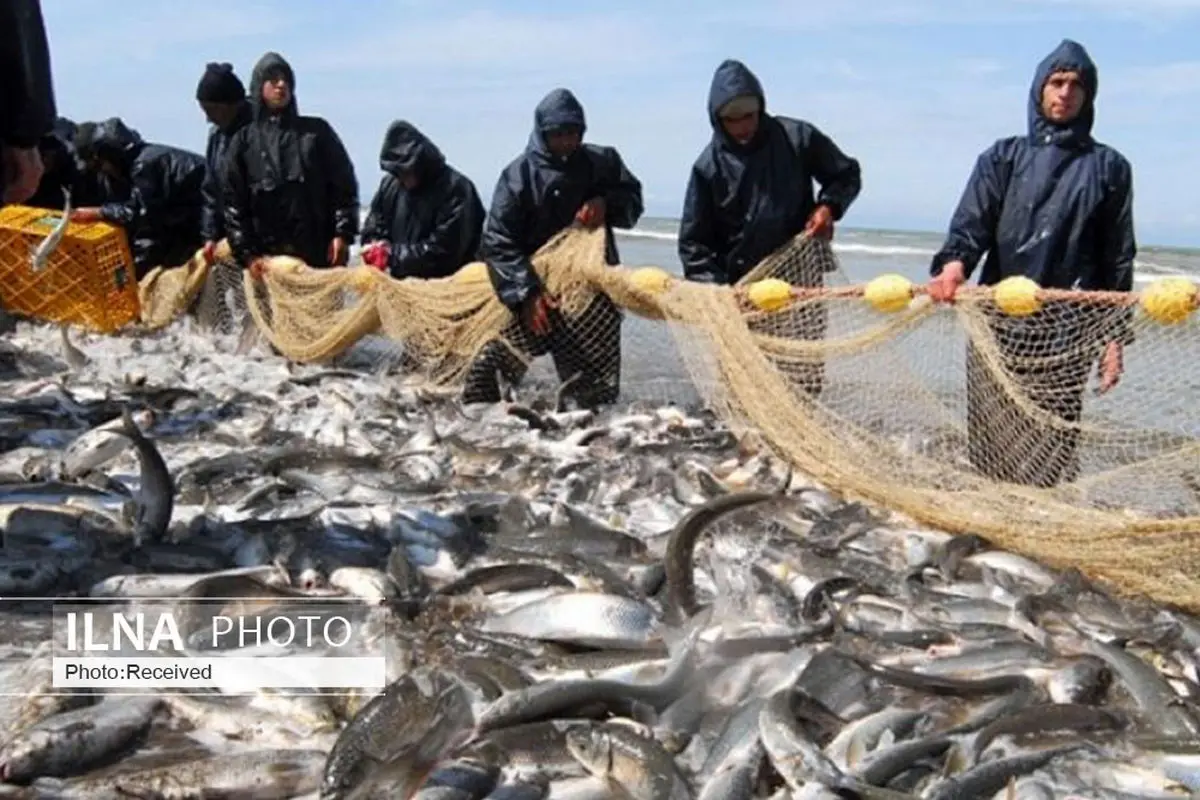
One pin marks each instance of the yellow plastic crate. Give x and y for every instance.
(89, 281)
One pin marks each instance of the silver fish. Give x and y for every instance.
(39, 257)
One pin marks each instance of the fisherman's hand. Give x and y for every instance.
(377, 254)
(338, 253)
(210, 252)
(943, 288)
(820, 223)
(22, 172)
(591, 213)
(1111, 367)
(85, 215)
(258, 268)
(537, 313)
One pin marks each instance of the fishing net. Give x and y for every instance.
(981, 417)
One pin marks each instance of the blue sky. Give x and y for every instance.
(914, 88)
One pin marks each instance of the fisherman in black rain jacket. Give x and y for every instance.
(290, 187)
(751, 188)
(1054, 206)
(27, 106)
(751, 191)
(557, 181)
(161, 214)
(63, 169)
(426, 218)
(222, 97)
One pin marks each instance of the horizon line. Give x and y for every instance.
(869, 229)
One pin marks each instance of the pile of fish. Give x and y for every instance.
(626, 603)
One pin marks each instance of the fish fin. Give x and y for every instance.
(785, 482)
(886, 739)
(208, 501)
(430, 424)
(461, 410)
(614, 789)
(125, 790)
(508, 392)
(249, 336)
(564, 391)
(957, 760)
(531, 417)
(855, 752)
(129, 513)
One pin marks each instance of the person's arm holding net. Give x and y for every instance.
(509, 267)
(697, 232)
(621, 190)
(839, 176)
(212, 221)
(453, 227)
(1118, 248)
(341, 187)
(239, 216)
(377, 227)
(972, 231)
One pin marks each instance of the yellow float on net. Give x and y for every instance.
(363, 278)
(650, 280)
(1017, 296)
(1170, 301)
(475, 272)
(770, 294)
(223, 251)
(889, 293)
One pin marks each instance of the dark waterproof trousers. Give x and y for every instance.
(1023, 419)
(586, 350)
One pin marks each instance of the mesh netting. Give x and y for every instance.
(964, 417)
